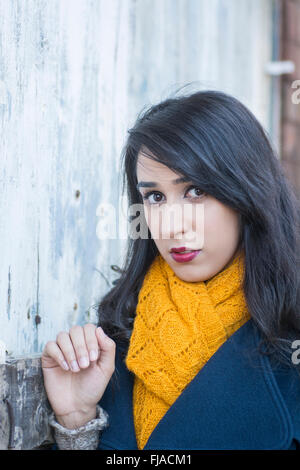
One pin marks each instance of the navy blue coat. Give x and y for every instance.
(238, 400)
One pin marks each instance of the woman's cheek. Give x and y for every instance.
(151, 222)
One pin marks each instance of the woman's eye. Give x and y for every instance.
(198, 191)
(156, 195)
(152, 193)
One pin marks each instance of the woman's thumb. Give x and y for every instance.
(107, 348)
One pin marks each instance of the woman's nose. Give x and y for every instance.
(173, 223)
(183, 221)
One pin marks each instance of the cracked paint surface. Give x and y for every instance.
(73, 77)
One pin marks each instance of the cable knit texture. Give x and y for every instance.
(178, 326)
(85, 437)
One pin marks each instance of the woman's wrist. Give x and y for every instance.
(76, 419)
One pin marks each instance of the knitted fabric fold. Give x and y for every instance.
(178, 326)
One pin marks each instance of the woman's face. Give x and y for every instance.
(181, 215)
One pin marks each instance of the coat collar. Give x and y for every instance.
(232, 403)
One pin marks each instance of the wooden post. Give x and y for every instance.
(24, 407)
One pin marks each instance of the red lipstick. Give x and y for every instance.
(180, 257)
(177, 250)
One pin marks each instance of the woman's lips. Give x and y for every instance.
(184, 257)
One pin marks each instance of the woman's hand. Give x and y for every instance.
(77, 368)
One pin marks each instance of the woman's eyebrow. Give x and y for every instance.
(153, 184)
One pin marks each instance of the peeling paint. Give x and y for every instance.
(73, 77)
(21, 383)
(37, 318)
(8, 295)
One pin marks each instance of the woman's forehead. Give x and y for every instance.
(147, 168)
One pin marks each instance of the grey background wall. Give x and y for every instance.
(73, 76)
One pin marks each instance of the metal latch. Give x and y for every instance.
(280, 67)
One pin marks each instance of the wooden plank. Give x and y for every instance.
(74, 75)
(24, 407)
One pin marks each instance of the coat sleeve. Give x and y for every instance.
(84, 438)
(288, 380)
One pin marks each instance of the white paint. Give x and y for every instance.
(73, 76)
(2, 352)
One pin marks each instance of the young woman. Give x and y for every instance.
(193, 350)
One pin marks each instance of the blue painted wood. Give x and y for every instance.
(73, 76)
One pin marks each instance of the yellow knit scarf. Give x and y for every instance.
(178, 326)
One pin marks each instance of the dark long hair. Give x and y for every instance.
(217, 142)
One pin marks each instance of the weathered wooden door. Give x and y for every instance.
(73, 76)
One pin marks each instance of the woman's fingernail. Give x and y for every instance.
(65, 365)
(74, 366)
(83, 361)
(93, 355)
